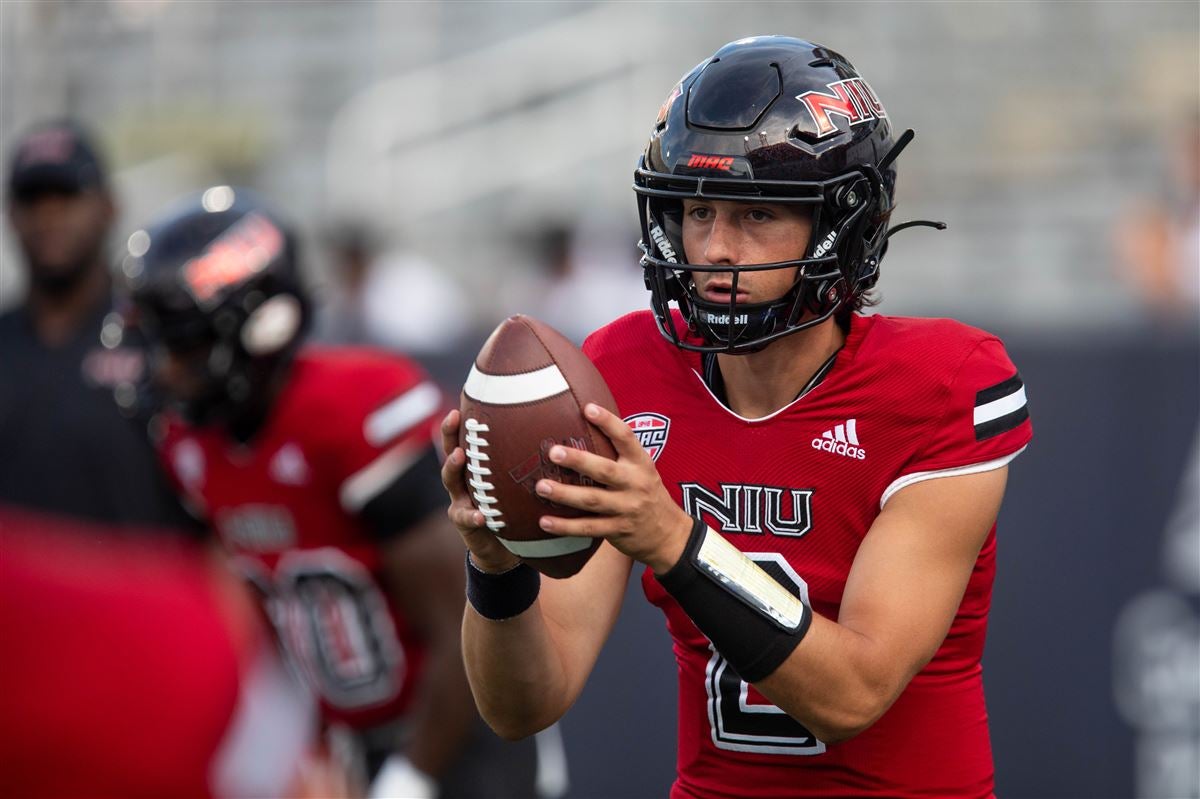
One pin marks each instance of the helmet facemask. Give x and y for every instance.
(839, 262)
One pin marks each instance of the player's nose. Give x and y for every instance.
(723, 244)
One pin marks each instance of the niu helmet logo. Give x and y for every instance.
(851, 99)
(702, 161)
(239, 253)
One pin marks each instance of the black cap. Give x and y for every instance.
(55, 156)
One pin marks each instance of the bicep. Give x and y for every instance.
(912, 568)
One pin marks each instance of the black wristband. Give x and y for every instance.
(752, 620)
(504, 595)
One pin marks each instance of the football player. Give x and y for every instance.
(138, 665)
(318, 470)
(815, 503)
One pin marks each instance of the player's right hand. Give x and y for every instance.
(488, 553)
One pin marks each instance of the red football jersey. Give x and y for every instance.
(906, 400)
(347, 426)
(135, 666)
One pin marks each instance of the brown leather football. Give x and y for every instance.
(526, 393)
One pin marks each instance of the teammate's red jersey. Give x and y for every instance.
(135, 666)
(906, 400)
(344, 434)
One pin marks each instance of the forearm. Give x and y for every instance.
(837, 682)
(516, 672)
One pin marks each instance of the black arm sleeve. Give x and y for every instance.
(412, 496)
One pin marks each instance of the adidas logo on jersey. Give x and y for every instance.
(841, 440)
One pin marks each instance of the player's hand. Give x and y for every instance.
(636, 514)
(488, 553)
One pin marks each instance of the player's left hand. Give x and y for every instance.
(635, 512)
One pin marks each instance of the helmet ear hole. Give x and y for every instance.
(272, 326)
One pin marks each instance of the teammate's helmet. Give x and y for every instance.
(218, 275)
(779, 120)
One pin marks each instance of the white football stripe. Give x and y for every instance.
(399, 415)
(547, 547)
(1001, 407)
(839, 433)
(365, 484)
(515, 389)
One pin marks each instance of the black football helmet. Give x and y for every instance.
(768, 119)
(217, 276)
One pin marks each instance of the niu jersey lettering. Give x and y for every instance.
(344, 459)
(797, 492)
(751, 509)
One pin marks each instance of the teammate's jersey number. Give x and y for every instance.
(737, 722)
(335, 625)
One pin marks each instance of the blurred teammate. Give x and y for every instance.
(140, 667)
(813, 491)
(65, 447)
(317, 469)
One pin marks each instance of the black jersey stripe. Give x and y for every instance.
(999, 390)
(1002, 424)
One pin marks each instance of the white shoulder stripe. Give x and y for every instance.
(547, 547)
(364, 485)
(1000, 407)
(515, 389)
(918, 477)
(399, 415)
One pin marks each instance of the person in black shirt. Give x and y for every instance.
(64, 445)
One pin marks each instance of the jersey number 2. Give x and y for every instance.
(739, 724)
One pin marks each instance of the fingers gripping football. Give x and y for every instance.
(633, 509)
(486, 551)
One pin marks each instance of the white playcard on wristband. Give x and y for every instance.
(742, 577)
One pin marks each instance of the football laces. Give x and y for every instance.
(476, 458)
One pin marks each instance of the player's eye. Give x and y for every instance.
(759, 215)
(699, 213)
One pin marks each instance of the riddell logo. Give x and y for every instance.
(825, 246)
(702, 161)
(841, 440)
(663, 243)
(723, 319)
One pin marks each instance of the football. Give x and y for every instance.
(525, 393)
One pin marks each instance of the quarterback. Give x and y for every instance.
(813, 491)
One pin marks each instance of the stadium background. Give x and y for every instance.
(469, 139)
